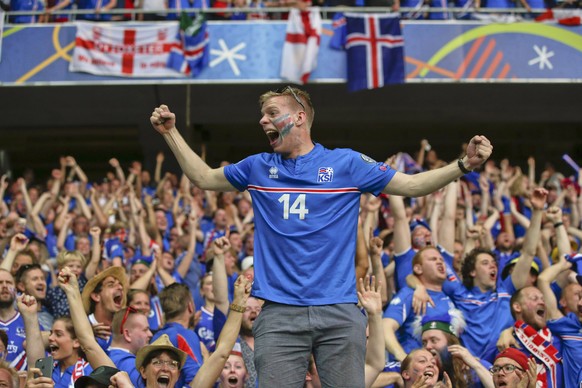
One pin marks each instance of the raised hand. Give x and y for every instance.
(18, 242)
(67, 280)
(114, 162)
(162, 119)
(27, 304)
(369, 295)
(538, 198)
(554, 214)
(478, 151)
(221, 245)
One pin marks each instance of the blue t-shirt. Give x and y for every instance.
(205, 330)
(400, 309)
(65, 379)
(187, 341)
(487, 314)
(569, 329)
(113, 248)
(306, 214)
(15, 351)
(125, 360)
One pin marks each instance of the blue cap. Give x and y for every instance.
(146, 260)
(415, 222)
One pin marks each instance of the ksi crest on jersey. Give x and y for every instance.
(324, 174)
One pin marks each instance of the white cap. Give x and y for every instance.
(247, 263)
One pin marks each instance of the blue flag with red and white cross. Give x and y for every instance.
(375, 50)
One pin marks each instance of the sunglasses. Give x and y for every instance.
(290, 89)
(128, 310)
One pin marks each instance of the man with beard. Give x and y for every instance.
(30, 280)
(247, 340)
(528, 308)
(12, 323)
(103, 296)
(178, 306)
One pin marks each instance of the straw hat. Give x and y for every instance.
(117, 272)
(162, 343)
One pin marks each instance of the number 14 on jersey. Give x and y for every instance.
(298, 207)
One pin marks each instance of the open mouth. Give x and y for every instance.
(428, 373)
(493, 275)
(232, 381)
(118, 299)
(53, 348)
(163, 381)
(541, 312)
(273, 136)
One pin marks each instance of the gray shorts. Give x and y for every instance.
(286, 336)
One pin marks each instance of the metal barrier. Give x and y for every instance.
(277, 10)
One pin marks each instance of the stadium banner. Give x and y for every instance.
(434, 52)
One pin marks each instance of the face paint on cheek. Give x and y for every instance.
(283, 124)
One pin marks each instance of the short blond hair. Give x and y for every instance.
(288, 91)
(66, 256)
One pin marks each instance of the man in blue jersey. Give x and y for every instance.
(429, 269)
(306, 199)
(409, 238)
(130, 333)
(485, 302)
(567, 327)
(12, 322)
(536, 340)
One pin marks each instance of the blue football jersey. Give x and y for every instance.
(306, 213)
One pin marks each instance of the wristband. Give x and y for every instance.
(558, 224)
(238, 308)
(462, 167)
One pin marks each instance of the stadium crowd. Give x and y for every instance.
(59, 11)
(140, 280)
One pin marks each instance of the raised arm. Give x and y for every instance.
(212, 367)
(95, 354)
(193, 166)
(375, 246)
(545, 279)
(18, 242)
(521, 272)
(401, 228)
(219, 277)
(93, 262)
(446, 228)
(370, 299)
(478, 151)
(28, 308)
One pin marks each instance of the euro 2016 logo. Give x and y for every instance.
(325, 174)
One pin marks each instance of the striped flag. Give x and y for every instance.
(565, 17)
(192, 55)
(301, 45)
(127, 51)
(375, 49)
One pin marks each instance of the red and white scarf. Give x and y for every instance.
(539, 344)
